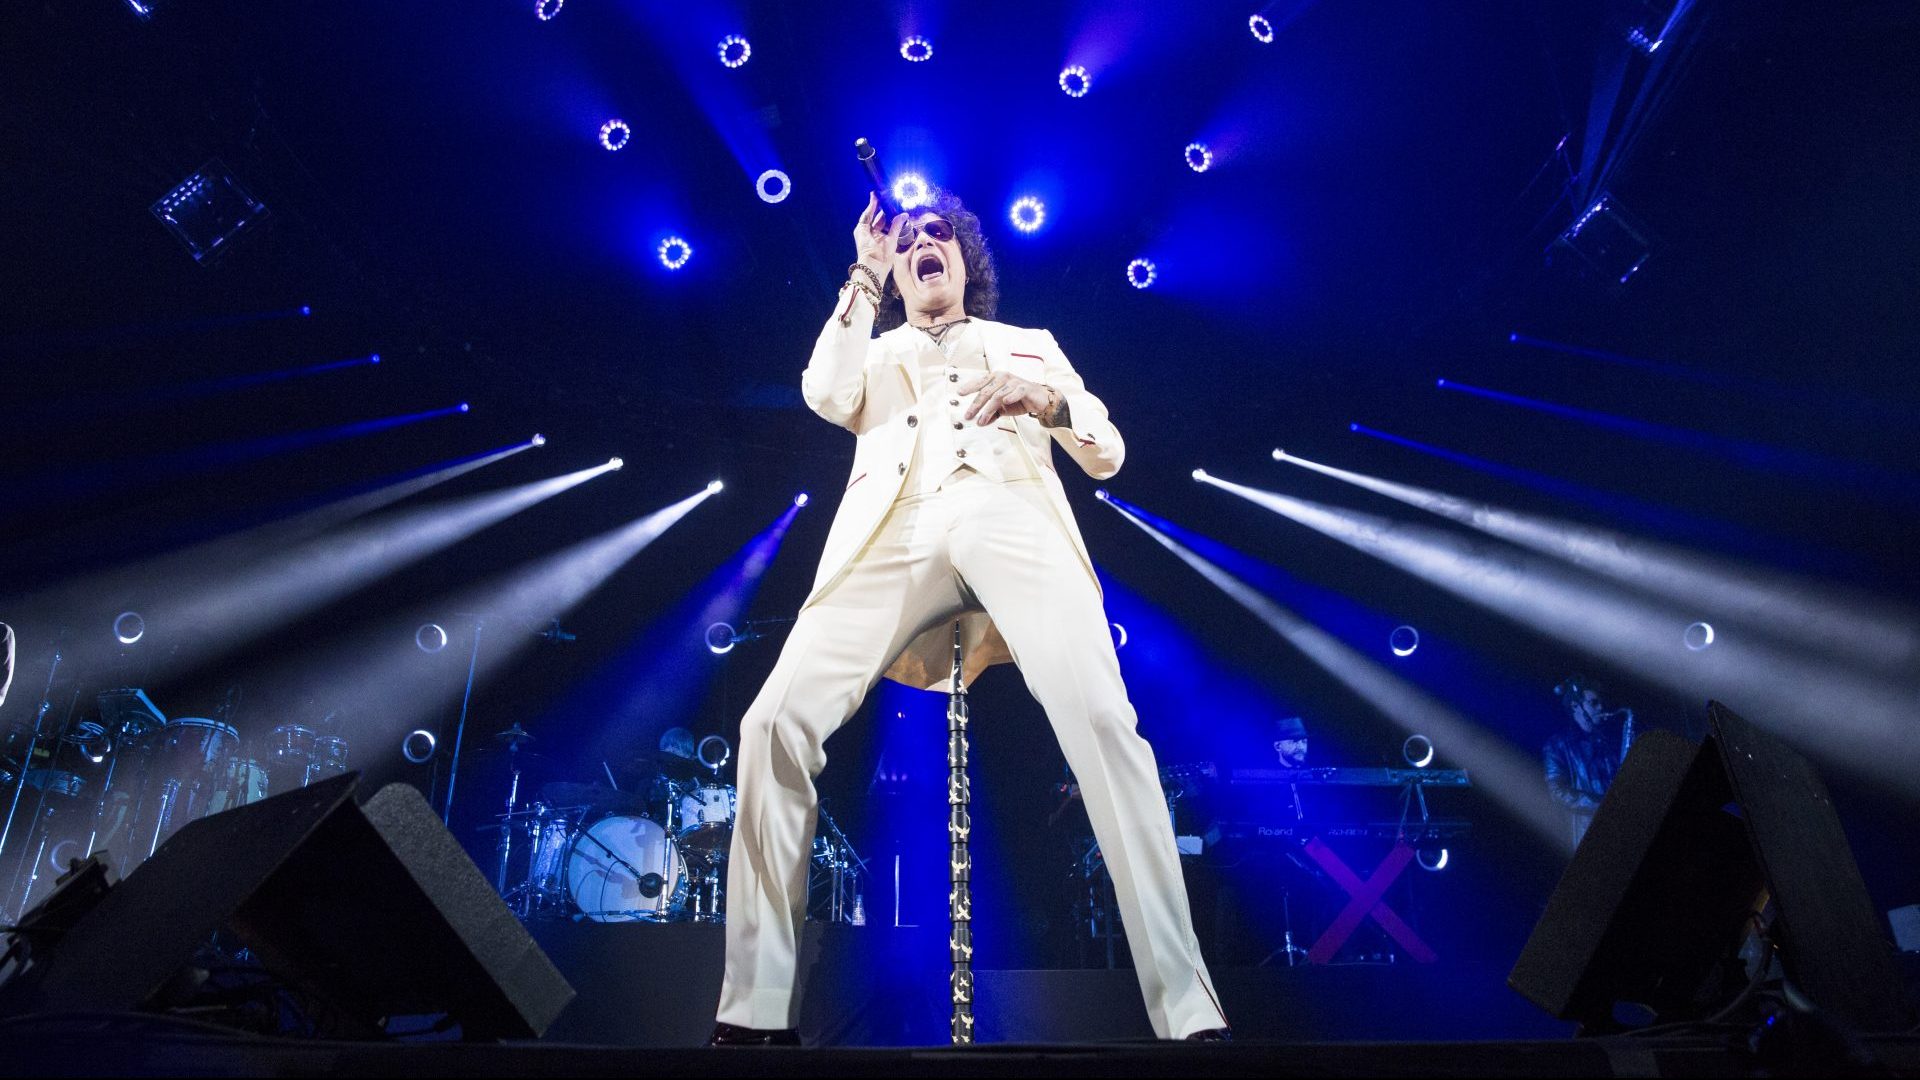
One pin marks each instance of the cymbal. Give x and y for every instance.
(595, 795)
(514, 735)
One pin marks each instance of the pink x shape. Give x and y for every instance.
(1365, 902)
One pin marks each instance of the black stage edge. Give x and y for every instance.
(117, 1048)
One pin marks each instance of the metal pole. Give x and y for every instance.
(459, 733)
(960, 860)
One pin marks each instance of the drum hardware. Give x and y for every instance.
(835, 856)
(26, 762)
(36, 822)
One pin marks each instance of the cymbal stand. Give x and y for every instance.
(960, 858)
(460, 732)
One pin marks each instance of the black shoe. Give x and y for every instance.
(725, 1034)
(1211, 1035)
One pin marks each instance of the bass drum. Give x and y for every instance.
(626, 869)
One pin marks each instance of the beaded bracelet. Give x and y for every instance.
(872, 278)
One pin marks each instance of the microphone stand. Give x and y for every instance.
(453, 766)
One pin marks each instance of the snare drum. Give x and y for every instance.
(329, 758)
(623, 869)
(706, 818)
(194, 745)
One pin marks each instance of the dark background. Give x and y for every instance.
(1381, 215)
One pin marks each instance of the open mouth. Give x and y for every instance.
(929, 267)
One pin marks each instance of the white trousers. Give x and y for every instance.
(974, 544)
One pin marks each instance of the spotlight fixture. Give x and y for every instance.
(917, 49)
(773, 186)
(129, 627)
(1262, 29)
(373, 359)
(547, 9)
(464, 407)
(1101, 494)
(306, 311)
(1120, 636)
(1075, 81)
(430, 638)
(734, 50)
(715, 487)
(1140, 273)
(1028, 214)
(674, 252)
(911, 192)
(1403, 641)
(614, 134)
(1698, 636)
(1418, 751)
(800, 499)
(418, 746)
(207, 210)
(616, 464)
(1199, 158)
(1201, 475)
(1638, 38)
(1279, 454)
(537, 440)
(721, 639)
(1430, 860)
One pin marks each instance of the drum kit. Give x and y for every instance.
(127, 780)
(654, 852)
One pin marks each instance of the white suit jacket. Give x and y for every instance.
(870, 386)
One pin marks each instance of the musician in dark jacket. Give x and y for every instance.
(1580, 760)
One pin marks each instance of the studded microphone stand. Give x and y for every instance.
(960, 861)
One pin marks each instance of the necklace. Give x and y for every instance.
(938, 331)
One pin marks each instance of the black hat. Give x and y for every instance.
(1291, 728)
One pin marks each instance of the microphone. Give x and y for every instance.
(877, 173)
(556, 635)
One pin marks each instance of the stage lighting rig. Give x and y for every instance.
(917, 49)
(715, 487)
(1140, 273)
(614, 134)
(615, 464)
(800, 499)
(547, 9)
(674, 252)
(1075, 81)
(912, 191)
(1607, 240)
(1262, 29)
(1028, 214)
(734, 50)
(1199, 158)
(207, 210)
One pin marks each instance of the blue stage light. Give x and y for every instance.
(1201, 474)
(773, 186)
(1262, 29)
(1101, 494)
(430, 638)
(1199, 158)
(1119, 635)
(911, 192)
(1140, 273)
(1075, 81)
(674, 252)
(464, 407)
(714, 487)
(917, 49)
(305, 310)
(374, 359)
(800, 499)
(734, 50)
(614, 134)
(616, 464)
(1028, 214)
(537, 440)
(129, 627)
(1698, 636)
(547, 9)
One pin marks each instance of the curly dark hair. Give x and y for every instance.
(983, 283)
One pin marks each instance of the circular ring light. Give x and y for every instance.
(674, 252)
(430, 638)
(1199, 158)
(1140, 273)
(614, 134)
(1120, 633)
(720, 639)
(547, 9)
(911, 192)
(418, 746)
(1403, 640)
(917, 49)
(129, 627)
(773, 186)
(1418, 750)
(1698, 636)
(1075, 81)
(1430, 860)
(1262, 29)
(734, 50)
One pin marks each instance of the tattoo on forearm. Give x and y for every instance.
(1058, 416)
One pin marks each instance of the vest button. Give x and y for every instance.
(957, 425)
(960, 452)
(953, 377)
(903, 468)
(913, 421)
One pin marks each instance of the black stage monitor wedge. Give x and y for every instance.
(373, 909)
(1689, 844)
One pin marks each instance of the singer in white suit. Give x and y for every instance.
(952, 510)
